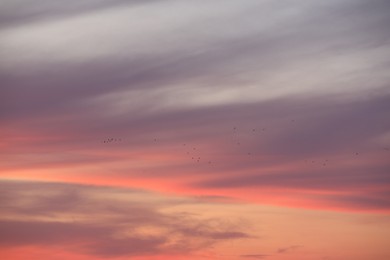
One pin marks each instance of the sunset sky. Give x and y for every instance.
(198, 129)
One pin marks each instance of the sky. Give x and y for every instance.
(171, 129)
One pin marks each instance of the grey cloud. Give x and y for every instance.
(97, 238)
(324, 128)
(18, 233)
(366, 187)
(332, 125)
(129, 246)
(319, 136)
(374, 200)
(21, 12)
(309, 179)
(56, 99)
(330, 30)
(94, 224)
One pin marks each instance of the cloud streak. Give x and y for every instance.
(305, 85)
(19, 13)
(268, 115)
(105, 222)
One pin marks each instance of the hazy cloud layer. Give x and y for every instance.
(295, 144)
(105, 222)
(236, 107)
(22, 12)
(288, 95)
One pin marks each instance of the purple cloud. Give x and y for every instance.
(103, 227)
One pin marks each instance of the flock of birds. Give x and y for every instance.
(111, 140)
(195, 155)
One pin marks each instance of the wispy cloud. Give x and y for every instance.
(224, 102)
(103, 221)
(257, 256)
(284, 250)
(14, 13)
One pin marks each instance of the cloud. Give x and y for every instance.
(319, 143)
(17, 13)
(321, 179)
(311, 79)
(18, 233)
(105, 222)
(370, 200)
(259, 256)
(284, 250)
(42, 73)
